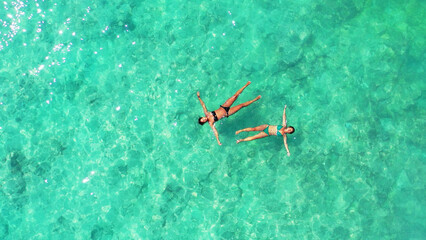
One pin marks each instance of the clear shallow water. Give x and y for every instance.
(98, 112)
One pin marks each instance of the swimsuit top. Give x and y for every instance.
(278, 130)
(215, 116)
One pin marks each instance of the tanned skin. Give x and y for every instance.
(262, 134)
(221, 113)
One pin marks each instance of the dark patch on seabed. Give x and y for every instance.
(63, 227)
(177, 199)
(16, 182)
(13, 191)
(4, 228)
(101, 232)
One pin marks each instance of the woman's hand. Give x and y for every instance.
(198, 94)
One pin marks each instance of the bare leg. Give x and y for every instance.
(238, 107)
(257, 136)
(258, 128)
(232, 99)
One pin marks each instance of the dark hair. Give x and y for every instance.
(292, 128)
(199, 121)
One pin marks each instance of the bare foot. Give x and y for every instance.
(237, 132)
(238, 141)
(258, 97)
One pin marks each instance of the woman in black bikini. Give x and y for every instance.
(225, 110)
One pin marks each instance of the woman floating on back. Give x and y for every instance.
(268, 130)
(224, 110)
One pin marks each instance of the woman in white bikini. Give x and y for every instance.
(268, 130)
(224, 110)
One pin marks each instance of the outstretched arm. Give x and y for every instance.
(202, 104)
(216, 134)
(284, 119)
(285, 144)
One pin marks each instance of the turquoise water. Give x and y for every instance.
(100, 140)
